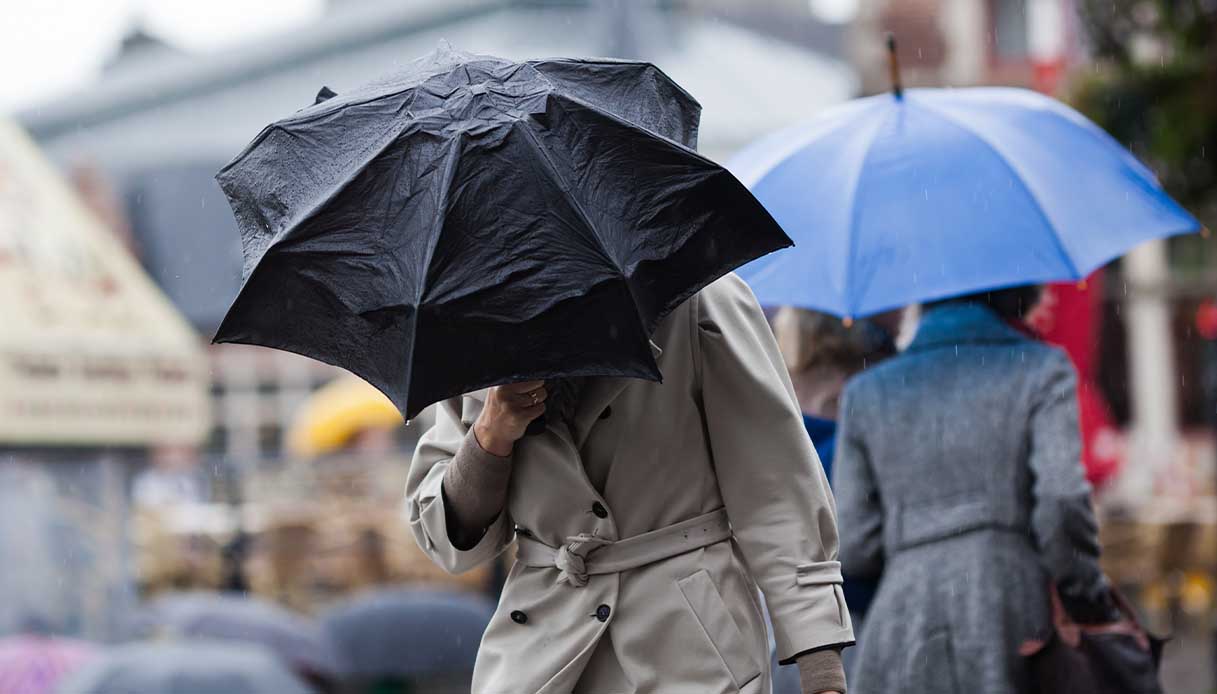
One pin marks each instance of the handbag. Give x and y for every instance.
(1118, 657)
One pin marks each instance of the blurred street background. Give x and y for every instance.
(138, 461)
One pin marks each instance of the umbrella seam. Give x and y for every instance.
(441, 216)
(279, 237)
(621, 122)
(1018, 176)
(577, 204)
(853, 210)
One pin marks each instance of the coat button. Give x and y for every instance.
(603, 612)
(519, 617)
(608, 412)
(599, 509)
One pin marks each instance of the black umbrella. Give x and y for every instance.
(472, 221)
(297, 640)
(407, 633)
(185, 667)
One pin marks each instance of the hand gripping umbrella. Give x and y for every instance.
(472, 221)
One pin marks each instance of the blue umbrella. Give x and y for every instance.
(901, 198)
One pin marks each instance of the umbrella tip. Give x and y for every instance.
(893, 64)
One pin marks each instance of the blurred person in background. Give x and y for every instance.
(171, 477)
(822, 352)
(958, 476)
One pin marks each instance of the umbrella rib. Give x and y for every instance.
(441, 216)
(853, 209)
(1018, 176)
(577, 205)
(574, 201)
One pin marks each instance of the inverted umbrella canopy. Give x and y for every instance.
(943, 192)
(295, 639)
(408, 633)
(471, 221)
(199, 667)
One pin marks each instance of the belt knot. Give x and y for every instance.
(571, 560)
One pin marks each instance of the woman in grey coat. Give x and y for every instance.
(958, 478)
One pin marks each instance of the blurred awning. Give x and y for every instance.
(91, 353)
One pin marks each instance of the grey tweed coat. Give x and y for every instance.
(958, 478)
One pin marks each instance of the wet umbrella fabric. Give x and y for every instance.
(296, 640)
(185, 668)
(894, 201)
(472, 221)
(408, 633)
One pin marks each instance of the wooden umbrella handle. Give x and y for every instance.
(893, 65)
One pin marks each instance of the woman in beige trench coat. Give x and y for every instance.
(647, 524)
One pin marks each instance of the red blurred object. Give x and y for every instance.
(1046, 75)
(1206, 319)
(1069, 318)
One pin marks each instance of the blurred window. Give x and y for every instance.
(1010, 29)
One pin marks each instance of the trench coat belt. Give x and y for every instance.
(586, 555)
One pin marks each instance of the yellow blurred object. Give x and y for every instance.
(336, 413)
(1196, 593)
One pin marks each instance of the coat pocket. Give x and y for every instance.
(716, 621)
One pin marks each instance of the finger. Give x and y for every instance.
(530, 398)
(532, 412)
(522, 387)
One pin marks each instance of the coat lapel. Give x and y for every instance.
(599, 393)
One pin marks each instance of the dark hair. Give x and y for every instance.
(1013, 303)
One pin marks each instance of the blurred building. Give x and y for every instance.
(160, 122)
(1027, 43)
(96, 369)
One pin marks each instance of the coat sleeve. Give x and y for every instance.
(426, 507)
(858, 504)
(1062, 517)
(769, 476)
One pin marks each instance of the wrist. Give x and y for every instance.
(490, 442)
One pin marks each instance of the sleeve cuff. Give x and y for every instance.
(431, 513)
(821, 671)
(811, 617)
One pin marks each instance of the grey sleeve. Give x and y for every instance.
(858, 508)
(1062, 517)
(821, 671)
(475, 489)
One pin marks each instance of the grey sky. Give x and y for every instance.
(48, 46)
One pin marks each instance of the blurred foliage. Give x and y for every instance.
(1153, 88)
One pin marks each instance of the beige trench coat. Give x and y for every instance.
(723, 430)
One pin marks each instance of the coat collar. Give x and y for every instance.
(964, 323)
(597, 394)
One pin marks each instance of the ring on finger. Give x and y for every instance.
(535, 397)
